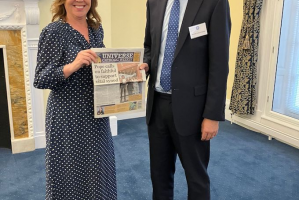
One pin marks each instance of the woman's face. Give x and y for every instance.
(77, 8)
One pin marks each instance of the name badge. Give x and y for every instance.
(198, 30)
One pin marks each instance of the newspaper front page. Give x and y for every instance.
(119, 85)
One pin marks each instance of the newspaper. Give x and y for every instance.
(119, 85)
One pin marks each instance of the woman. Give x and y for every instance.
(79, 154)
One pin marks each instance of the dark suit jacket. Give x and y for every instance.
(200, 66)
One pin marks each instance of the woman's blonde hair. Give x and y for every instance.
(59, 12)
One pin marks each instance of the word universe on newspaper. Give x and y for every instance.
(119, 85)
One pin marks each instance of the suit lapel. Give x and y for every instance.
(190, 13)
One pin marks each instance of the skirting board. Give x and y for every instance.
(40, 141)
(130, 116)
(261, 128)
(114, 119)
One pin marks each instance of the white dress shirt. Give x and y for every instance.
(183, 5)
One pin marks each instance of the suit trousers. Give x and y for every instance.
(165, 144)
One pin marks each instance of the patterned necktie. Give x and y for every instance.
(171, 41)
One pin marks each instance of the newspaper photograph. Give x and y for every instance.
(119, 85)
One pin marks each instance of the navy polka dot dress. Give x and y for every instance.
(79, 154)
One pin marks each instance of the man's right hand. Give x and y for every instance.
(144, 66)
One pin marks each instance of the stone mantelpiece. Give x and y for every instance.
(22, 17)
(11, 40)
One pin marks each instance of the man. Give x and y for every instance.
(186, 57)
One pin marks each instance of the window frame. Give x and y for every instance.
(282, 105)
(274, 14)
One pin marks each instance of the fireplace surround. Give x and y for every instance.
(19, 32)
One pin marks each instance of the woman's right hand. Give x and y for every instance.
(84, 58)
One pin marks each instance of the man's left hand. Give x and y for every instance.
(144, 66)
(209, 129)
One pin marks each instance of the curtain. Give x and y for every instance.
(243, 98)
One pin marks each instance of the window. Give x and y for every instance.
(286, 91)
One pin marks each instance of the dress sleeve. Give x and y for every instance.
(49, 69)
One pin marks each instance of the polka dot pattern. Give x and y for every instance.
(171, 41)
(79, 152)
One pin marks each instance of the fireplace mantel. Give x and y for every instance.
(19, 12)
(23, 16)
